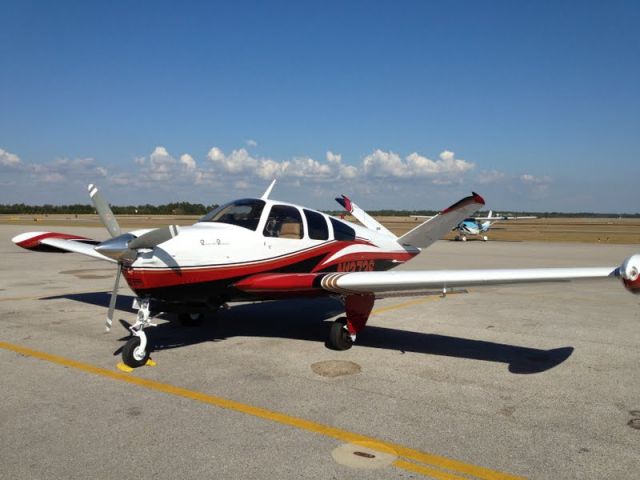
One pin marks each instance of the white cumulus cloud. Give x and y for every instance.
(70, 170)
(533, 180)
(447, 169)
(162, 166)
(8, 159)
(188, 161)
(486, 177)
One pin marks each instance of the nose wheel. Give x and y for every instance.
(136, 351)
(133, 355)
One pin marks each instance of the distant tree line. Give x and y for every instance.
(186, 208)
(178, 208)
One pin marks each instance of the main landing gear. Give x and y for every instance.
(344, 329)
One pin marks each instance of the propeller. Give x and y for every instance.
(104, 211)
(123, 247)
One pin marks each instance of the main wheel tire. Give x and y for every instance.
(485, 238)
(131, 355)
(190, 319)
(463, 238)
(339, 337)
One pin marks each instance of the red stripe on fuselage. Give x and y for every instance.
(147, 279)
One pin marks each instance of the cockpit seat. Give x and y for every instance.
(290, 230)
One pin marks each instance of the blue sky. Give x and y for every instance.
(535, 105)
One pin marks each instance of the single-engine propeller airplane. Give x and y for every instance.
(479, 226)
(262, 249)
(476, 226)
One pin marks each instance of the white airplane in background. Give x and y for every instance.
(261, 249)
(479, 226)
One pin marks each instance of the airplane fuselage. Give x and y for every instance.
(200, 265)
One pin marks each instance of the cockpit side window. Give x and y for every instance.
(243, 213)
(317, 225)
(342, 231)
(284, 221)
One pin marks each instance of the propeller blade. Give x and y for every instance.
(104, 211)
(154, 237)
(112, 302)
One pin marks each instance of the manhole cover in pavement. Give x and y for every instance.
(335, 368)
(366, 455)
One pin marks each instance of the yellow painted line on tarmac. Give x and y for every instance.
(430, 460)
(426, 471)
(429, 298)
(397, 306)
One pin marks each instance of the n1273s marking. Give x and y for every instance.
(357, 266)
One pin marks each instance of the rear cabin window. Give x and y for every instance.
(317, 225)
(284, 222)
(342, 231)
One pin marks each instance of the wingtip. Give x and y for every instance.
(478, 198)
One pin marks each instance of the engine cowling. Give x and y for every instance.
(630, 273)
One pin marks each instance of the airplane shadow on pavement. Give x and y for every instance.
(308, 319)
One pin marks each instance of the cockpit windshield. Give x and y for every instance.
(243, 213)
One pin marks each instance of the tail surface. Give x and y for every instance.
(437, 227)
(362, 216)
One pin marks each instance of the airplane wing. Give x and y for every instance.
(59, 243)
(438, 226)
(362, 216)
(380, 283)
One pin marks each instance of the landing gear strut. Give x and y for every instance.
(344, 329)
(136, 352)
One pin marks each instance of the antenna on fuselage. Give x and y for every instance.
(265, 195)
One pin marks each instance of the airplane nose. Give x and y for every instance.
(117, 248)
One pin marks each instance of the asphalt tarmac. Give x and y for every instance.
(537, 381)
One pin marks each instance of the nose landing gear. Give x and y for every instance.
(136, 352)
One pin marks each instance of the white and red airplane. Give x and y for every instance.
(262, 249)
